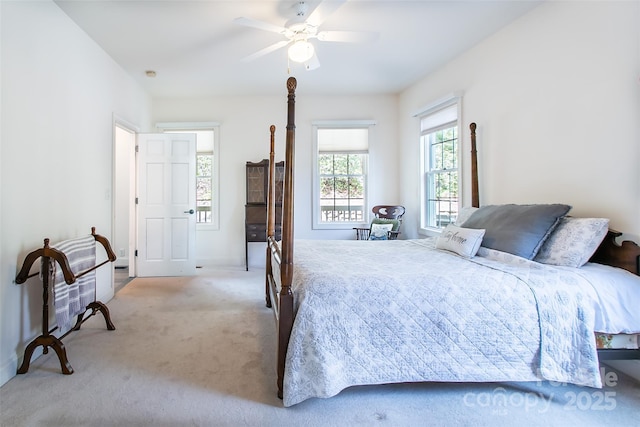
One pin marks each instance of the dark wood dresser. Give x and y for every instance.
(255, 215)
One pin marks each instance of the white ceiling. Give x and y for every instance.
(196, 49)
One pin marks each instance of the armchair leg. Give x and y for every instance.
(362, 233)
(393, 235)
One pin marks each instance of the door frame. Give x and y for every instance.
(119, 122)
(129, 126)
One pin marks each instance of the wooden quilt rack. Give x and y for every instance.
(47, 340)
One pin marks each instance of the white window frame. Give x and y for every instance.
(338, 124)
(432, 110)
(215, 173)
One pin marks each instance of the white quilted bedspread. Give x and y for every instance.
(406, 312)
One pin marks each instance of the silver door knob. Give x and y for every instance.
(190, 211)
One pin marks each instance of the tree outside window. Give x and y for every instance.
(341, 187)
(340, 173)
(440, 167)
(442, 178)
(204, 170)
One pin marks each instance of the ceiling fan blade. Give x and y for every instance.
(266, 50)
(312, 63)
(323, 10)
(261, 25)
(348, 36)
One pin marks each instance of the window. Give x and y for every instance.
(204, 187)
(207, 185)
(440, 165)
(340, 179)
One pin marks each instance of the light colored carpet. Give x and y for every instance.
(200, 351)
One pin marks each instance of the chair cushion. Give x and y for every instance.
(380, 231)
(394, 222)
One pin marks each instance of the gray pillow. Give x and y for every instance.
(517, 229)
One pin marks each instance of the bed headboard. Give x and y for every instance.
(625, 255)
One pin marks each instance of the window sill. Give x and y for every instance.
(207, 227)
(340, 226)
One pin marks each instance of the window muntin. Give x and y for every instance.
(439, 140)
(204, 187)
(340, 178)
(442, 177)
(342, 183)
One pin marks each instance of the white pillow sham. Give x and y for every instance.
(464, 215)
(463, 241)
(573, 241)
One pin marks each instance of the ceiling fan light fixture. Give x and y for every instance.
(301, 51)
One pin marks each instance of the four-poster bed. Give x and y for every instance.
(342, 321)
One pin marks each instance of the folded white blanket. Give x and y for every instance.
(72, 300)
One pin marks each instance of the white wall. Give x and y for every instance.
(60, 92)
(556, 96)
(244, 136)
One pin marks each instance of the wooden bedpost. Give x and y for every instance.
(287, 203)
(271, 211)
(285, 298)
(475, 194)
(271, 200)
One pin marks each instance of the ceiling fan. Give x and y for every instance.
(300, 30)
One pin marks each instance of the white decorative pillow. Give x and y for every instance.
(464, 215)
(380, 231)
(463, 241)
(573, 241)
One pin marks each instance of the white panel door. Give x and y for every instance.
(166, 205)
